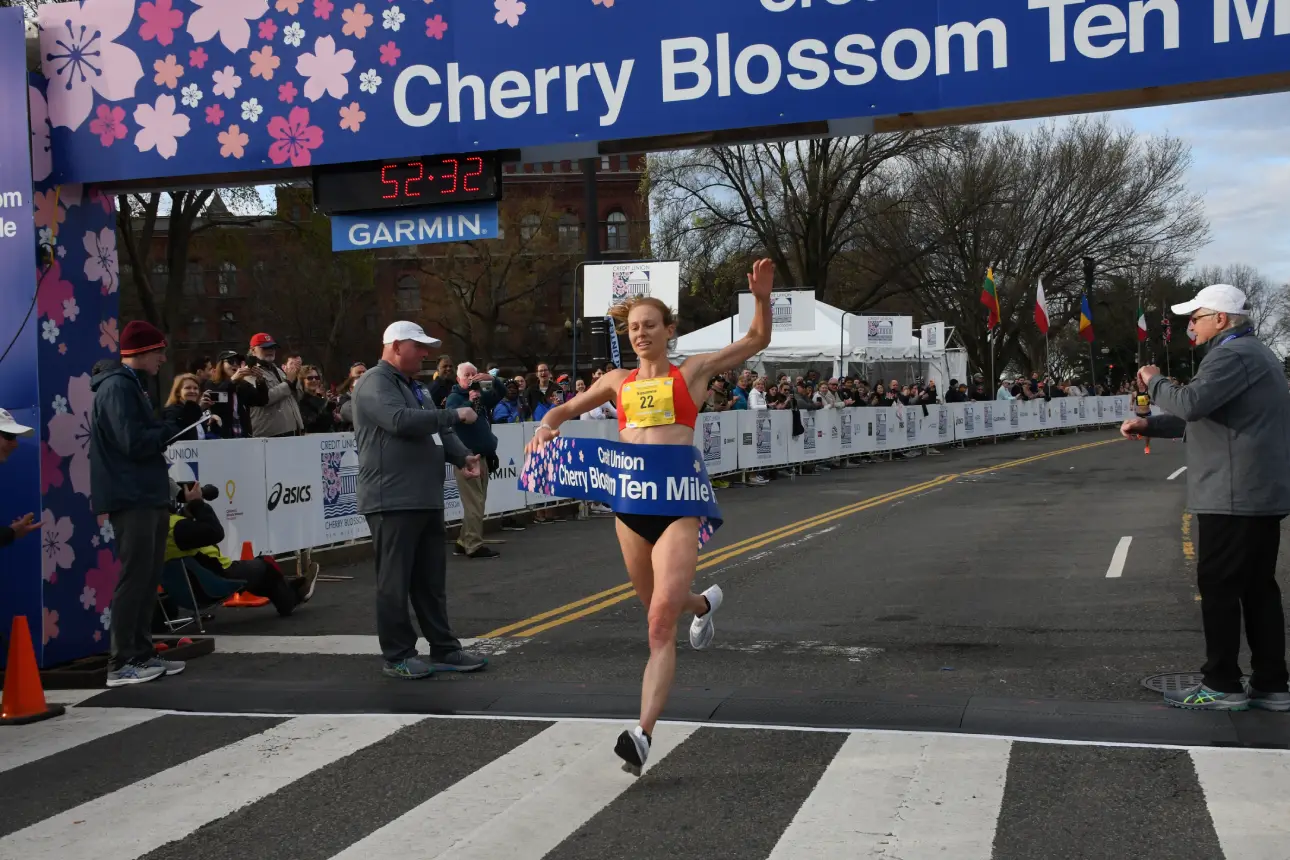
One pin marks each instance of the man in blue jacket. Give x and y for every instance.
(129, 483)
(479, 438)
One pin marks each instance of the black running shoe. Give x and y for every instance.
(633, 749)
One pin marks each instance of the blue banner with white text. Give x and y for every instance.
(172, 88)
(370, 230)
(652, 480)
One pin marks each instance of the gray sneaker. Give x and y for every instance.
(411, 669)
(171, 667)
(132, 673)
(1267, 701)
(1202, 698)
(459, 661)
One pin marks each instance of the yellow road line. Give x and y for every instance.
(611, 596)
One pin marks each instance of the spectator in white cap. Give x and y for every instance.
(1235, 417)
(10, 432)
(403, 442)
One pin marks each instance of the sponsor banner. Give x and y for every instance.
(934, 336)
(608, 284)
(504, 493)
(338, 484)
(293, 476)
(884, 330)
(790, 310)
(235, 467)
(763, 438)
(407, 227)
(717, 437)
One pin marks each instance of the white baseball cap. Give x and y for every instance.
(404, 330)
(12, 427)
(1220, 298)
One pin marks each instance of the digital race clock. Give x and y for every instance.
(395, 183)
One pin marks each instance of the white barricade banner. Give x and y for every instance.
(803, 448)
(1119, 407)
(236, 468)
(504, 493)
(1041, 414)
(829, 424)
(944, 424)
(294, 477)
(340, 521)
(763, 438)
(717, 438)
(1065, 411)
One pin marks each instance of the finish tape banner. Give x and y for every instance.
(652, 480)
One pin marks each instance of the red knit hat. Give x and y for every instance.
(139, 337)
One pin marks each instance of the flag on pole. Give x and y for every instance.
(1085, 320)
(1041, 309)
(1166, 326)
(1142, 323)
(990, 298)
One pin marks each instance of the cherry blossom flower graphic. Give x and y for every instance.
(293, 35)
(160, 126)
(369, 81)
(168, 72)
(509, 11)
(608, 4)
(49, 625)
(105, 528)
(436, 27)
(393, 18)
(62, 349)
(160, 21)
(87, 598)
(197, 58)
(109, 124)
(48, 212)
(287, 92)
(70, 310)
(229, 19)
(351, 117)
(192, 95)
(70, 195)
(294, 138)
(101, 259)
(42, 159)
(226, 82)
(268, 29)
(55, 552)
(233, 142)
(390, 54)
(80, 58)
(251, 110)
(214, 114)
(49, 331)
(323, 9)
(357, 20)
(263, 63)
(52, 293)
(51, 468)
(69, 432)
(324, 70)
(102, 578)
(109, 337)
(291, 7)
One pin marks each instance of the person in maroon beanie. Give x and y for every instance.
(129, 482)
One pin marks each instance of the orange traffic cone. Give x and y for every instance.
(242, 599)
(1147, 450)
(24, 698)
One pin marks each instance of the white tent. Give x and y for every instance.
(829, 341)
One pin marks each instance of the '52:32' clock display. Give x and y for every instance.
(407, 182)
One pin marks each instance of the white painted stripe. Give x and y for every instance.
(1118, 558)
(910, 797)
(167, 806)
(523, 804)
(368, 646)
(1248, 795)
(21, 745)
(1176, 474)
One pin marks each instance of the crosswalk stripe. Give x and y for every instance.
(139, 818)
(76, 727)
(524, 803)
(1248, 796)
(906, 796)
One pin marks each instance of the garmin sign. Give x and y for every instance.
(428, 226)
(249, 86)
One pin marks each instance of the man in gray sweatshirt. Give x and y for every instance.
(403, 442)
(1235, 417)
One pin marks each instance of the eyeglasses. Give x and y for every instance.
(312, 378)
(1202, 316)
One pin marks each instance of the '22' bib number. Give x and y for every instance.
(648, 403)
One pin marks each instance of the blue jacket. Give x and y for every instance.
(478, 437)
(507, 412)
(128, 467)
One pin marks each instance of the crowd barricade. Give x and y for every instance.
(284, 495)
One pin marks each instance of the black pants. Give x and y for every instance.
(265, 580)
(411, 564)
(1236, 573)
(141, 545)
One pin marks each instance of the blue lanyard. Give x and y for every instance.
(1235, 335)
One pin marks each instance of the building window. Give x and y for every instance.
(529, 226)
(408, 296)
(616, 233)
(604, 162)
(570, 232)
(228, 279)
(197, 329)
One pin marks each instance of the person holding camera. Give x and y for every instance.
(186, 406)
(468, 393)
(280, 416)
(234, 388)
(10, 431)
(196, 532)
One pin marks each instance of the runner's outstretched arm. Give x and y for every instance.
(760, 283)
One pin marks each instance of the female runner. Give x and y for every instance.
(658, 404)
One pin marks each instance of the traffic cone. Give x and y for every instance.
(242, 599)
(1147, 449)
(24, 698)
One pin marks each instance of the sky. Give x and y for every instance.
(1241, 167)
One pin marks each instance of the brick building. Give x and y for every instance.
(506, 302)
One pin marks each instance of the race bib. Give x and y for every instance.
(648, 403)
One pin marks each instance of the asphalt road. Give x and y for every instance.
(991, 581)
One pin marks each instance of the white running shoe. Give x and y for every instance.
(633, 749)
(701, 628)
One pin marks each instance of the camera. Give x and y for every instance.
(209, 492)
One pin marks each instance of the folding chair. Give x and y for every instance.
(189, 585)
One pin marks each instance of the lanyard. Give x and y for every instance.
(1235, 335)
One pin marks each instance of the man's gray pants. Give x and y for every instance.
(411, 564)
(140, 535)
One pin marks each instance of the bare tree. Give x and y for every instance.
(1269, 303)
